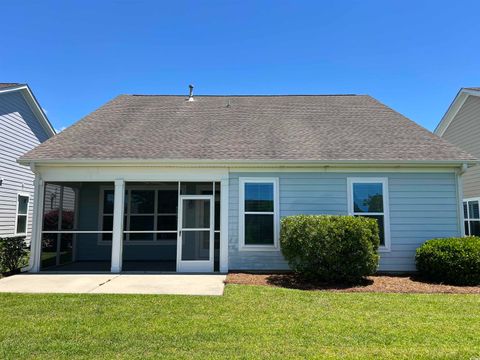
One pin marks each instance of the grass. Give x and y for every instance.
(247, 322)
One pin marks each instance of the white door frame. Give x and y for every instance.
(195, 265)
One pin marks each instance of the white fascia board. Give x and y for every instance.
(129, 174)
(99, 172)
(453, 109)
(34, 106)
(243, 163)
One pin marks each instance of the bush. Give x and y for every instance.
(330, 248)
(13, 252)
(450, 260)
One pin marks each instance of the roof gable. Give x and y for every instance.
(32, 102)
(454, 108)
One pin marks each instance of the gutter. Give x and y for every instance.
(463, 169)
(243, 163)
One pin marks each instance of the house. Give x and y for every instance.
(200, 183)
(461, 126)
(23, 125)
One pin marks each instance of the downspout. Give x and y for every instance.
(458, 178)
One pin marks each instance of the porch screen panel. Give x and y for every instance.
(150, 213)
(141, 214)
(59, 214)
(72, 226)
(167, 210)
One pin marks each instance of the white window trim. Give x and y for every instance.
(276, 214)
(26, 215)
(127, 214)
(386, 206)
(468, 219)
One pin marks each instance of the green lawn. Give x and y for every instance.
(248, 322)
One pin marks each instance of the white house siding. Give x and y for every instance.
(464, 131)
(20, 131)
(422, 206)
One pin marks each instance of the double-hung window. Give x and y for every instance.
(22, 215)
(368, 197)
(259, 213)
(471, 214)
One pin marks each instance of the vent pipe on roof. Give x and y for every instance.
(190, 97)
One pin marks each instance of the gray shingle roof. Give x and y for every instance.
(6, 85)
(305, 128)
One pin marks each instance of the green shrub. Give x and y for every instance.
(450, 260)
(13, 252)
(330, 248)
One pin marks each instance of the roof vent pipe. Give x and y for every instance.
(190, 96)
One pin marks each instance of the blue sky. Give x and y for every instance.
(76, 55)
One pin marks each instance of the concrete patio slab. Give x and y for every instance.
(55, 283)
(173, 284)
(164, 284)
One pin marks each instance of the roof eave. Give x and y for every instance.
(249, 163)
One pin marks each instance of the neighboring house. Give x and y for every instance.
(199, 184)
(461, 126)
(23, 125)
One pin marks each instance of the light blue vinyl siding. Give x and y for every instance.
(422, 206)
(20, 131)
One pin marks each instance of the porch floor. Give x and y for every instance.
(104, 266)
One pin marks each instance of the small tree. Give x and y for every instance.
(13, 252)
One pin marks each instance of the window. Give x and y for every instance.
(150, 214)
(471, 214)
(22, 215)
(141, 214)
(151, 210)
(259, 214)
(368, 197)
(107, 213)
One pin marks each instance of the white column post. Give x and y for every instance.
(37, 222)
(224, 196)
(460, 217)
(118, 215)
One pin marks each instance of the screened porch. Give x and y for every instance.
(164, 226)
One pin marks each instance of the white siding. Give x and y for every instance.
(464, 131)
(20, 132)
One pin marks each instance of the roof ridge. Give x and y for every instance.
(246, 95)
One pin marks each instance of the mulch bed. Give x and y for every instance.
(378, 283)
